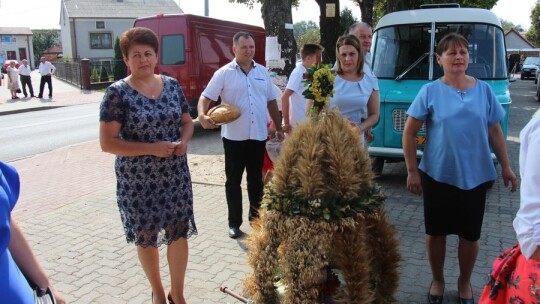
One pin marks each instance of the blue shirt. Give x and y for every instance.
(457, 151)
(14, 288)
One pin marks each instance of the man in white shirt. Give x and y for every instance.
(24, 73)
(246, 85)
(293, 103)
(46, 69)
(364, 33)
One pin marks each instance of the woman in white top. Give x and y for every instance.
(13, 79)
(356, 92)
(516, 273)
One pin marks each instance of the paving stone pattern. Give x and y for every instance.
(69, 213)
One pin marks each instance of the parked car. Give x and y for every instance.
(538, 86)
(6, 64)
(530, 66)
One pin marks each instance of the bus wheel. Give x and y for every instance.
(377, 164)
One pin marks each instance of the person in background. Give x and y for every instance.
(145, 122)
(246, 85)
(356, 93)
(462, 118)
(46, 69)
(13, 79)
(17, 259)
(26, 80)
(515, 277)
(364, 33)
(293, 103)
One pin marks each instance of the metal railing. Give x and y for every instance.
(69, 72)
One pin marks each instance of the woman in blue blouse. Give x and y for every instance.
(462, 118)
(15, 252)
(356, 92)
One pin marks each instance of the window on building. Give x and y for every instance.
(101, 40)
(100, 24)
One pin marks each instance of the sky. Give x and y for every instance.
(45, 14)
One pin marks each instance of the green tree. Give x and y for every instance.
(533, 35)
(119, 67)
(383, 7)
(507, 26)
(346, 20)
(300, 28)
(277, 12)
(94, 77)
(42, 40)
(103, 76)
(306, 32)
(310, 36)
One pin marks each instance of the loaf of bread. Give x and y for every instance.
(224, 113)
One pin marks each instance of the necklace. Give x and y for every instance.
(147, 88)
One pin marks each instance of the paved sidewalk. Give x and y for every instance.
(64, 94)
(68, 211)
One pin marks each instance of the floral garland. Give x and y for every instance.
(319, 81)
(329, 208)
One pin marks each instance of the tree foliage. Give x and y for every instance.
(310, 36)
(306, 32)
(119, 67)
(346, 19)
(44, 39)
(300, 28)
(507, 26)
(533, 35)
(383, 7)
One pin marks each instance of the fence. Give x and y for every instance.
(69, 72)
(87, 74)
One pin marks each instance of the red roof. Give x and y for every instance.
(53, 50)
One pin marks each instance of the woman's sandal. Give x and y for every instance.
(463, 300)
(432, 299)
(170, 299)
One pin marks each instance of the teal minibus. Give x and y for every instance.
(403, 58)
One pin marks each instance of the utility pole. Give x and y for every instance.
(206, 8)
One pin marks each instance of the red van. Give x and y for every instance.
(192, 48)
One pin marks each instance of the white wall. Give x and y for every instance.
(21, 41)
(83, 28)
(65, 35)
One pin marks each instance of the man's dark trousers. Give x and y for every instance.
(45, 79)
(240, 155)
(27, 81)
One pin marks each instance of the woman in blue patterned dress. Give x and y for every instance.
(145, 122)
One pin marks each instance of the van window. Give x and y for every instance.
(403, 50)
(173, 51)
(215, 48)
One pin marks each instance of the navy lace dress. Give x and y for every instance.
(154, 194)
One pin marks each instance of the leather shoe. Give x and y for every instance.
(432, 299)
(463, 300)
(235, 232)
